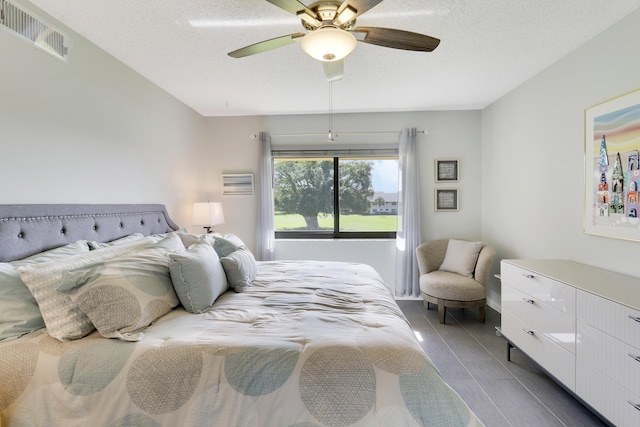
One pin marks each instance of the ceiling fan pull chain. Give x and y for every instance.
(330, 138)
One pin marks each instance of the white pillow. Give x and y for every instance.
(122, 296)
(62, 316)
(189, 239)
(19, 312)
(461, 257)
(126, 239)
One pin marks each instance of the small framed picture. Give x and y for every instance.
(237, 184)
(446, 199)
(447, 170)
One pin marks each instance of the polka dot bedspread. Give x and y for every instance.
(307, 344)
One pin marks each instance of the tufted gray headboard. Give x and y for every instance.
(29, 229)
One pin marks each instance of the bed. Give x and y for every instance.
(300, 344)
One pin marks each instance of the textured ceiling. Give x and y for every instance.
(488, 48)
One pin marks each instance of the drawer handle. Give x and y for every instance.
(528, 276)
(635, 405)
(527, 300)
(636, 318)
(634, 357)
(529, 331)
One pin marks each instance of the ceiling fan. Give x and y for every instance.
(332, 34)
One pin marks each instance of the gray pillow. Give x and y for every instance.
(197, 275)
(241, 268)
(19, 311)
(224, 246)
(461, 257)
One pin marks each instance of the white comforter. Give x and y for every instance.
(308, 344)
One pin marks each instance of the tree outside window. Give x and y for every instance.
(335, 197)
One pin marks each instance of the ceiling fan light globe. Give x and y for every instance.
(329, 44)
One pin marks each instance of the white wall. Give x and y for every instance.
(92, 131)
(451, 134)
(533, 156)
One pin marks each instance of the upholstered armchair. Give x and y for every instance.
(454, 273)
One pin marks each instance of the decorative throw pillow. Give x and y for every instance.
(461, 257)
(224, 246)
(189, 239)
(241, 268)
(126, 239)
(19, 311)
(197, 275)
(62, 317)
(122, 296)
(75, 248)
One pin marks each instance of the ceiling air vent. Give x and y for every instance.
(29, 27)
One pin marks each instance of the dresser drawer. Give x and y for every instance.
(613, 358)
(553, 293)
(607, 397)
(553, 358)
(556, 325)
(615, 319)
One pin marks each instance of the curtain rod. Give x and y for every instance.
(254, 136)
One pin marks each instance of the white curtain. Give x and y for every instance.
(408, 235)
(266, 233)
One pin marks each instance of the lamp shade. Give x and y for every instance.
(329, 44)
(207, 214)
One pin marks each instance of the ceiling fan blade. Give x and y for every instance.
(397, 39)
(266, 45)
(293, 6)
(333, 70)
(360, 6)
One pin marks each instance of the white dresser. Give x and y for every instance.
(582, 325)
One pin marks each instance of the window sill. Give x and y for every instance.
(341, 239)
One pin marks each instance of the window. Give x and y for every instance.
(341, 195)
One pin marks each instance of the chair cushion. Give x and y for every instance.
(461, 257)
(451, 286)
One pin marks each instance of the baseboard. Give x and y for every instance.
(495, 305)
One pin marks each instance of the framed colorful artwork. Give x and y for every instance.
(446, 199)
(447, 170)
(237, 184)
(612, 168)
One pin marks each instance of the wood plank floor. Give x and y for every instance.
(473, 360)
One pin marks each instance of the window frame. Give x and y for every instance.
(336, 155)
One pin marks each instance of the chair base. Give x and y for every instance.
(444, 303)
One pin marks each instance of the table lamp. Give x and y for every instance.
(207, 215)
